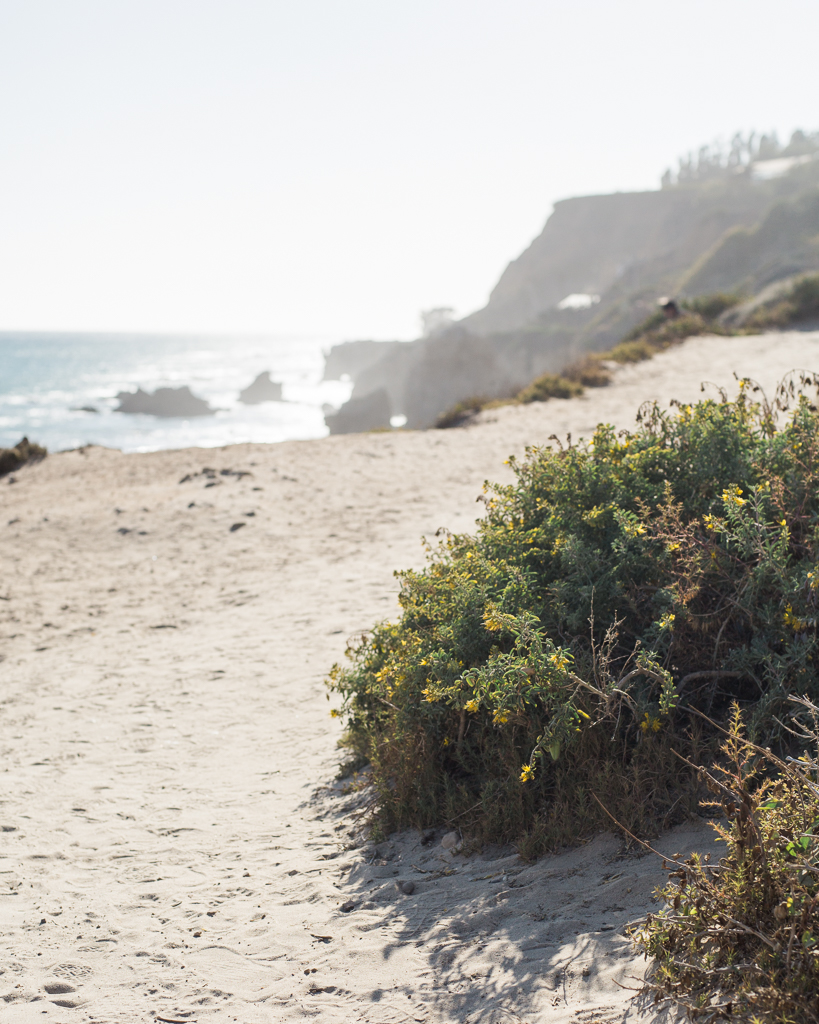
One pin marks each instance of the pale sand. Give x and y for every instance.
(173, 844)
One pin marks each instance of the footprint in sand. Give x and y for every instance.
(61, 988)
(70, 971)
(63, 993)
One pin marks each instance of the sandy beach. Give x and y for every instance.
(173, 842)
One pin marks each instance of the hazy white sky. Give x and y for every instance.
(333, 167)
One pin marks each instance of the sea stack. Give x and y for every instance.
(165, 402)
(263, 389)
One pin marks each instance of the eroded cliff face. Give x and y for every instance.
(424, 378)
(733, 234)
(593, 243)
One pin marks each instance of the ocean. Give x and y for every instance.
(47, 378)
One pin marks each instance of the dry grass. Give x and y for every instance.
(549, 386)
(24, 451)
(739, 940)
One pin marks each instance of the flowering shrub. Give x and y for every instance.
(555, 653)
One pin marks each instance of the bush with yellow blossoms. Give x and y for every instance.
(555, 654)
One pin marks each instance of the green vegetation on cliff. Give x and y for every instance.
(794, 306)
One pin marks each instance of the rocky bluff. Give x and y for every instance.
(595, 271)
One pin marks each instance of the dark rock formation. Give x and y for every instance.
(166, 402)
(372, 412)
(263, 389)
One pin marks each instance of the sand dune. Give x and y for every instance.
(173, 844)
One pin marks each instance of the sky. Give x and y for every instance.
(333, 167)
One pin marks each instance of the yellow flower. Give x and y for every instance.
(429, 695)
(559, 660)
(471, 706)
(446, 741)
(733, 496)
(500, 718)
(673, 547)
(527, 773)
(594, 514)
(796, 624)
(492, 620)
(667, 621)
(334, 713)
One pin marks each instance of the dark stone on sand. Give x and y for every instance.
(237, 526)
(165, 402)
(372, 412)
(345, 908)
(84, 408)
(263, 389)
(407, 888)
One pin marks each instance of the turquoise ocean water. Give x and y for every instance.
(46, 378)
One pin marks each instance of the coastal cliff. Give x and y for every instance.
(595, 272)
